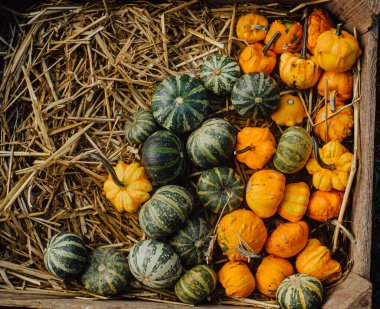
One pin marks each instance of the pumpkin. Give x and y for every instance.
(196, 284)
(265, 190)
(191, 242)
(293, 150)
(288, 239)
(180, 103)
(237, 279)
(212, 143)
(300, 291)
(255, 95)
(166, 211)
(219, 74)
(324, 205)
(140, 127)
(270, 273)
(290, 38)
(252, 27)
(65, 255)
(107, 272)
(339, 85)
(319, 22)
(255, 146)
(294, 204)
(315, 260)
(220, 187)
(289, 112)
(154, 264)
(241, 227)
(163, 155)
(330, 166)
(337, 50)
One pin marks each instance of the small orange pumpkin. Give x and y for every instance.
(289, 112)
(340, 85)
(294, 204)
(324, 205)
(252, 27)
(319, 22)
(290, 38)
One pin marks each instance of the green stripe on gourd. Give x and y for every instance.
(219, 74)
(196, 284)
(255, 95)
(140, 127)
(154, 264)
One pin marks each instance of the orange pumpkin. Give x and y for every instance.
(288, 239)
(265, 190)
(340, 85)
(294, 204)
(324, 205)
(290, 38)
(319, 22)
(255, 146)
(315, 260)
(289, 112)
(252, 27)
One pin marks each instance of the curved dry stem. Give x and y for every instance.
(109, 168)
(318, 157)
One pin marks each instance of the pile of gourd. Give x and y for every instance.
(178, 136)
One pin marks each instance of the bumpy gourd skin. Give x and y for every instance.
(319, 22)
(290, 38)
(340, 83)
(324, 205)
(252, 60)
(252, 27)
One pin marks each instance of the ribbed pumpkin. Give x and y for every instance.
(289, 112)
(180, 103)
(294, 204)
(265, 190)
(319, 22)
(212, 143)
(220, 187)
(300, 291)
(140, 127)
(154, 264)
(219, 74)
(196, 284)
(163, 155)
(191, 242)
(107, 272)
(290, 38)
(252, 27)
(65, 255)
(288, 239)
(255, 95)
(339, 85)
(270, 273)
(293, 150)
(241, 226)
(166, 211)
(324, 205)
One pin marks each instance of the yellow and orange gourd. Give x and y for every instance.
(319, 22)
(290, 37)
(289, 112)
(339, 85)
(294, 204)
(252, 27)
(324, 205)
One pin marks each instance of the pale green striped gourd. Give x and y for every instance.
(140, 127)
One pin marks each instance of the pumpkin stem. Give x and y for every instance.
(304, 38)
(332, 100)
(270, 43)
(244, 249)
(259, 27)
(318, 157)
(339, 30)
(236, 152)
(344, 230)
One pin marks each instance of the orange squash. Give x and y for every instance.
(340, 85)
(289, 112)
(324, 205)
(294, 204)
(290, 38)
(319, 22)
(252, 28)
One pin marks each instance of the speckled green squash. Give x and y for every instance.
(154, 264)
(191, 241)
(255, 95)
(65, 255)
(163, 155)
(166, 211)
(293, 150)
(140, 127)
(300, 291)
(107, 273)
(180, 103)
(196, 284)
(219, 74)
(212, 143)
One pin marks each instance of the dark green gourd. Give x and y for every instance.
(140, 127)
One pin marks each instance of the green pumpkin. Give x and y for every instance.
(293, 150)
(191, 242)
(163, 155)
(65, 255)
(218, 187)
(166, 211)
(154, 264)
(300, 291)
(212, 143)
(140, 127)
(180, 103)
(107, 272)
(219, 74)
(196, 284)
(255, 95)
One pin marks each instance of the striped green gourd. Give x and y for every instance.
(65, 255)
(191, 242)
(212, 143)
(293, 150)
(220, 187)
(196, 284)
(164, 159)
(255, 95)
(107, 273)
(180, 103)
(140, 127)
(154, 264)
(300, 291)
(219, 74)
(166, 211)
